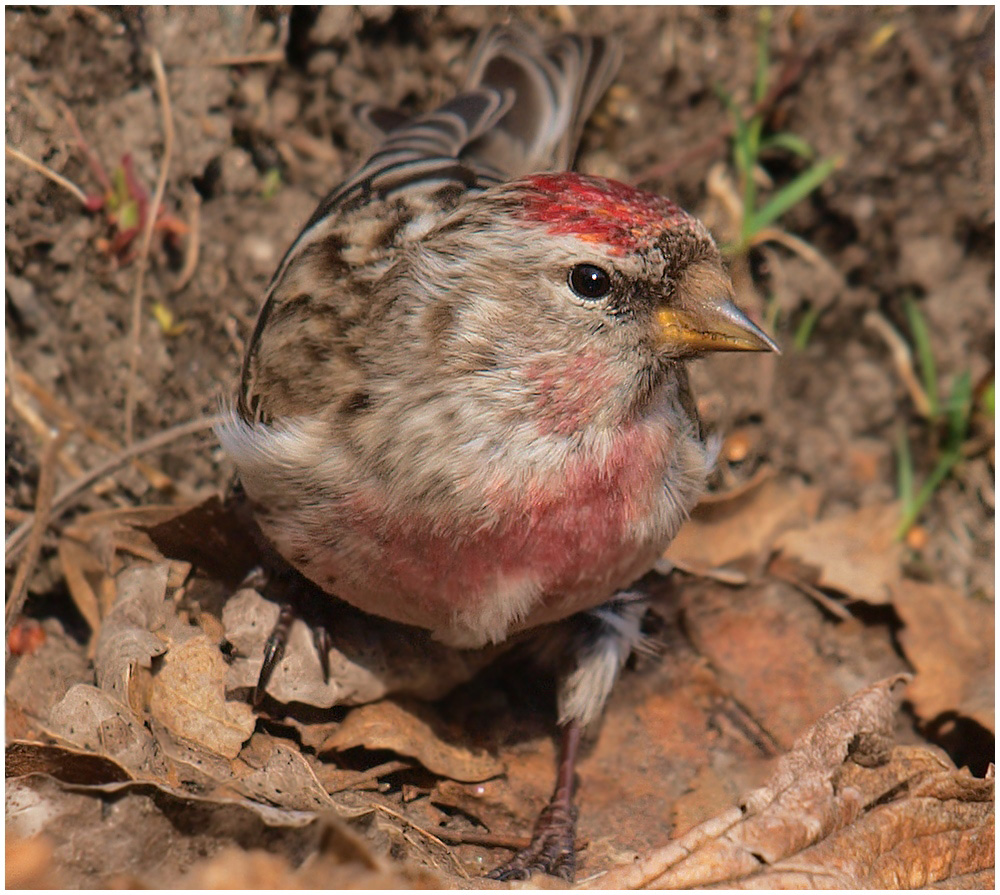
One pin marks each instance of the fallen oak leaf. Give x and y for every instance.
(856, 554)
(271, 771)
(96, 720)
(404, 728)
(840, 780)
(949, 639)
(746, 523)
(189, 698)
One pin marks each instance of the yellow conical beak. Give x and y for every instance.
(700, 315)
(713, 326)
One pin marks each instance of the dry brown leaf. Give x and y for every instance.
(210, 536)
(941, 829)
(189, 698)
(89, 554)
(763, 644)
(369, 657)
(95, 720)
(856, 554)
(69, 765)
(138, 834)
(949, 640)
(125, 639)
(273, 772)
(190, 763)
(38, 680)
(404, 729)
(843, 809)
(746, 525)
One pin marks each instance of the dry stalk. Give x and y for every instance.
(147, 239)
(36, 527)
(902, 358)
(46, 171)
(260, 57)
(67, 416)
(17, 538)
(193, 248)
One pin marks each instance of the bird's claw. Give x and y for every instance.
(552, 848)
(274, 650)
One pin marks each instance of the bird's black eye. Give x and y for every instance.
(589, 281)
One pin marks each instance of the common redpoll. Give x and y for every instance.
(464, 405)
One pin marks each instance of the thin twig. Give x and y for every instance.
(426, 833)
(93, 162)
(797, 245)
(161, 439)
(816, 595)
(46, 171)
(28, 413)
(44, 505)
(49, 402)
(147, 239)
(487, 840)
(260, 57)
(902, 358)
(193, 247)
(362, 777)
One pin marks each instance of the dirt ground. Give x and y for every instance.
(792, 592)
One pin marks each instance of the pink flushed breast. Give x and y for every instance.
(569, 531)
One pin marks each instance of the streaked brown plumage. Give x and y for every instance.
(464, 405)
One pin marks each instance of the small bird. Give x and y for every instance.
(464, 405)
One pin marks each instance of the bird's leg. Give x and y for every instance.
(552, 842)
(294, 592)
(299, 591)
(597, 644)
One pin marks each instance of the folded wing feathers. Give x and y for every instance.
(521, 111)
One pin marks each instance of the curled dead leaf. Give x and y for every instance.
(856, 554)
(189, 698)
(405, 728)
(745, 524)
(949, 639)
(843, 809)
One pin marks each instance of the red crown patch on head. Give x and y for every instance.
(596, 209)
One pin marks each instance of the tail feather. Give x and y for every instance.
(522, 111)
(555, 89)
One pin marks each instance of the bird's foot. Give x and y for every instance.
(274, 647)
(552, 848)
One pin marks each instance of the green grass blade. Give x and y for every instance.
(925, 354)
(792, 193)
(789, 142)
(805, 328)
(988, 399)
(959, 410)
(945, 464)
